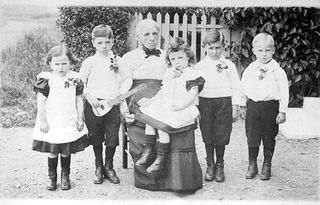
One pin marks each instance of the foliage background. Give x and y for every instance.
(295, 30)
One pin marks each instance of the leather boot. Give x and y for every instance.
(146, 156)
(159, 164)
(210, 172)
(98, 178)
(252, 170)
(266, 167)
(110, 173)
(52, 173)
(65, 172)
(219, 175)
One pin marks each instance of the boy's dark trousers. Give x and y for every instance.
(216, 127)
(260, 125)
(103, 129)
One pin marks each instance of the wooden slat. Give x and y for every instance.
(176, 25)
(184, 27)
(193, 33)
(203, 31)
(159, 17)
(166, 30)
(149, 16)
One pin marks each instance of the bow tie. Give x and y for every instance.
(154, 52)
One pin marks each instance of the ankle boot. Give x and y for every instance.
(65, 172)
(98, 178)
(266, 167)
(110, 173)
(146, 156)
(252, 169)
(159, 164)
(219, 175)
(210, 172)
(52, 173)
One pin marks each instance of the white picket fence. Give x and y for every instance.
(187, 30)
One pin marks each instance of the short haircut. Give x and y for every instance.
(58, 51)
(213, 36)
(146, 23)
(263, 37)
(102, 30)
(177, 44)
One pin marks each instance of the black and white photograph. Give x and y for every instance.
(150, 102)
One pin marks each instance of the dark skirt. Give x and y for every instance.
(183, 172)
(64, 148)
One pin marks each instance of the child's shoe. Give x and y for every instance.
(52, 172)
(146, 155)
(159, 164)
(219, 176)
(110, 173)
(266, 170)
(209, 176)
(252, 169)
(65, 172)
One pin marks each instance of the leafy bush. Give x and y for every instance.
(297, 41)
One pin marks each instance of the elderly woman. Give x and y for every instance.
(147, 65)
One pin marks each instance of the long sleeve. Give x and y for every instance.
(284, 91)
(84, 74)
(235, 84)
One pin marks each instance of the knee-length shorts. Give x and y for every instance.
(103, 129)
(215, 120)
(260, 123)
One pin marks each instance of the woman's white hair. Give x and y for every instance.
(146, 23)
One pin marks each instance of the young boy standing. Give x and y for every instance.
(102, 83)
(218, 102)
(265, 86)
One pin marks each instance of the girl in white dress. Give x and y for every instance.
(59, 127)
(174, 105)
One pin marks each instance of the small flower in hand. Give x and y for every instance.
(221, 65)
(114, 64)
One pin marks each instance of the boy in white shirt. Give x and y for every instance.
(101, 81)
(218, 102)
(265, 86)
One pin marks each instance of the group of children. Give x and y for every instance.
(211, 89)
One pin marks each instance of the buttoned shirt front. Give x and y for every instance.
(264, 82)
(140, 67)
(225, 83)
(101, 81)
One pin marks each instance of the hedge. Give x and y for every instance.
(295, 30)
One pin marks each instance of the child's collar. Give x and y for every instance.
(270, 66)
(100, 55)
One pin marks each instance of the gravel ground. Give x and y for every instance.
(295, 172)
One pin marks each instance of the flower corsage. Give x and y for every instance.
(114, 64)
(221, 65)
(71, 82)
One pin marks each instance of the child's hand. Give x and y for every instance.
(80, 124)
(235, 112)
(243, 112)
(44, 127)
(94, 102)
(129, 117)
(281, 118)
